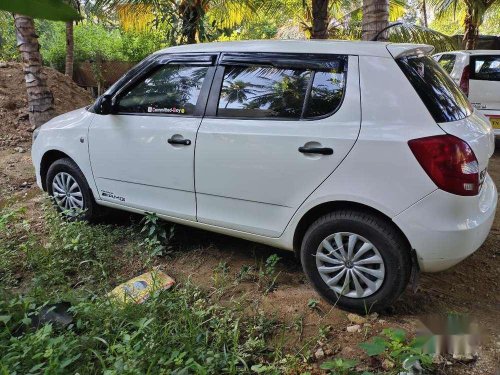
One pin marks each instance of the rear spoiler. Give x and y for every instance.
(398, 50)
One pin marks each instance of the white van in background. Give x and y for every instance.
(477, 72)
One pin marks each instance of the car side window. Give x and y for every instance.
(486, 68)
(169, 89)
(288, 93)
(260, 91)
(326, 93)
(447, 62)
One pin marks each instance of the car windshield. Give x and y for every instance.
(442, 97)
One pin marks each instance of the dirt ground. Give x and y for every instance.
(471, 288)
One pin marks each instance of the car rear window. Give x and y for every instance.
(442, 97)
(485, 68)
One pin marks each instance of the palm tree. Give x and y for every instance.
(190, 13)
(375, 19)
(424, 14)
(40, 98)
(338, 18)
(475, 10)
(237, 91)
(70, 41)
(70, 47)
(320, 19)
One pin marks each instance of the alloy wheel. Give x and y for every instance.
(350, 265)
(67, 194)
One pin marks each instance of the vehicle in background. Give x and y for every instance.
(477, 72)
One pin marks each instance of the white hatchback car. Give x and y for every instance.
(362, 157)
(477, 72)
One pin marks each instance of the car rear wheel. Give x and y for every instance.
(71, 194)
(356, 260)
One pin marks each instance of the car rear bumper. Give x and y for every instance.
(444, 228)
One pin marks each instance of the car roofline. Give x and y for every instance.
(341, 47)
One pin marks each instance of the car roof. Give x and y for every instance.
(342, 47)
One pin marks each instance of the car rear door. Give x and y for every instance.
(142, 156)
(276, 126)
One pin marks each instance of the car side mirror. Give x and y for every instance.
(104, 105)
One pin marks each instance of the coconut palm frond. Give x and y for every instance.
(229, 13)
(449, 9)
(138, 17)
(410, 33)
(397, 9)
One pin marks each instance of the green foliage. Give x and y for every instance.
(339, 366)
(158, 234)
(182, 330)
(8, 49)
(68, 254)
(178, 330)
(12, 227)
(313, 303)
(91, 42)
(395, 347)
(56, 10)
(138, 45)
(268, 274)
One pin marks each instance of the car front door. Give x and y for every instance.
(142, 155)
(276, 126)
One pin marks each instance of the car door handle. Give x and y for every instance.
(175, 141)
(316, 150)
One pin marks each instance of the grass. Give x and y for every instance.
(184, 330)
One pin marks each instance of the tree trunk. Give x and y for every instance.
(471, 30)
(424, 13)
(69, 49)
(40, 98)
(470, 36)
(320, 19)
(375, 19)
(191, 14)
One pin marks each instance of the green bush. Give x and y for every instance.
(182, 330)
(91, 42)
(8, 49)
(177, 330)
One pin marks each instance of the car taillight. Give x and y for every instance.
(464, 80)
(449, 162)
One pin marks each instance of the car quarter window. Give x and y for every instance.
(486, 68)
(447, 62)
(168, 89)
(264, 91)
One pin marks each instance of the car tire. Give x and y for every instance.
(379, 260)
(66, 183)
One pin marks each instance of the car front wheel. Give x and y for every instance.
(356, 260)
(71, 194)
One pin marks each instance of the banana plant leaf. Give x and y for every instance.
(55, 10)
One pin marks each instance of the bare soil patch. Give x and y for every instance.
(14, 124)
(16, 172)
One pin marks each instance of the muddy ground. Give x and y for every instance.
(472, 287)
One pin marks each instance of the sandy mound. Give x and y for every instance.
(14, 124)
